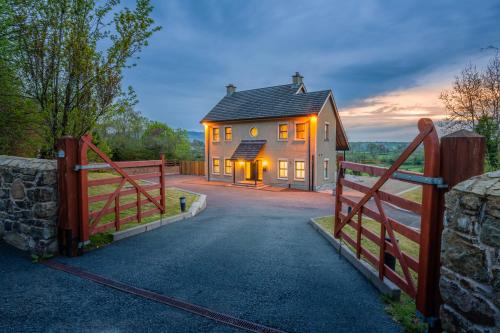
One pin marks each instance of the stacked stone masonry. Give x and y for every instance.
(28, 203)
(470, 256)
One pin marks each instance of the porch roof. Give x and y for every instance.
(248, 150)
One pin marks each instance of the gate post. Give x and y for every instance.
(68, 215)
(462, 157)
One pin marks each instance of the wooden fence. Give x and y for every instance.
(196, 168)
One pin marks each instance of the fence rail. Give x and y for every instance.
(196, 168)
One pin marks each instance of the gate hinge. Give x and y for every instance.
(437, 181)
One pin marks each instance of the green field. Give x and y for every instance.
(171, 201)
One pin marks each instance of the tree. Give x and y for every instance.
(20, 124)
(463, 102)
(474, 103)
(486, 127)
(20, 134)
(159, 138)
(70, 55)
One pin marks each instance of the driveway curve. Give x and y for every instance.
(251, 254)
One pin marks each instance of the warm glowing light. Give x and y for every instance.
(264, 163)
(313, 118)
(241, 163)
(206, 125)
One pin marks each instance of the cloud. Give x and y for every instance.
(367, 52)
(393, 116)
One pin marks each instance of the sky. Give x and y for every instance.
(385, 61)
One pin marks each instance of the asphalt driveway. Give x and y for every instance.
(251, 254)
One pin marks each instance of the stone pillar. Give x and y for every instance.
(28, 203)
(470, 256)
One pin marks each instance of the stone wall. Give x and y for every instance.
(28, 203)
(470, 256)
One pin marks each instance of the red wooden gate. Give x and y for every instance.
(90, 221)
(415, 274)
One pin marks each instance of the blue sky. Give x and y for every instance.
(386, 61)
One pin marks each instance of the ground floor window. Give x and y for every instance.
(216, 166)
(283, 169)
(300, 170)
(228, 167)
(325, 168)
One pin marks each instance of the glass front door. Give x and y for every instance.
(250, 170)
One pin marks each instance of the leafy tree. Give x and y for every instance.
(122, 131)
(20, 124)
(198, 150)
(70, 55)
(20, 134)
(486, 127)
(159, 138)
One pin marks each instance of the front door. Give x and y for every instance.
(250, 170)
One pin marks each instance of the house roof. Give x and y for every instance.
(270, 102)
(288, 100)
(248, 150)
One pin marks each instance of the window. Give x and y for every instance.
(228, 133)
(283, 169)
(283, 131)
(216, 166)
(215, 134)
(300, 172)
(228, 167)
(300, 131)
(254, 132)
(325, 168)
(327, 131)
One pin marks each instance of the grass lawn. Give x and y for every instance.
(404, 310)
(413, 195)
(172, 206)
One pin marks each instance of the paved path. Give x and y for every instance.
(250, 254)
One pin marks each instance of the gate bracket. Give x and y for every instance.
(438, 181)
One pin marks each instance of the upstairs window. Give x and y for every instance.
(216, 166)
(300, 131)
(327, 131)
(228, 133)
(300, 170)
(283, 169)
(215, 134)
(254, 132)
(283, 131)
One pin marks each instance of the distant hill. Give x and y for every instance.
(195, 135)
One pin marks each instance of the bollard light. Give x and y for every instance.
(182, 201)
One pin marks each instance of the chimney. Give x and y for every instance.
(230, 89)
(297, 79)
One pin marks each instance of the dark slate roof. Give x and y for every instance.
(271, 102)
(248, 150)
